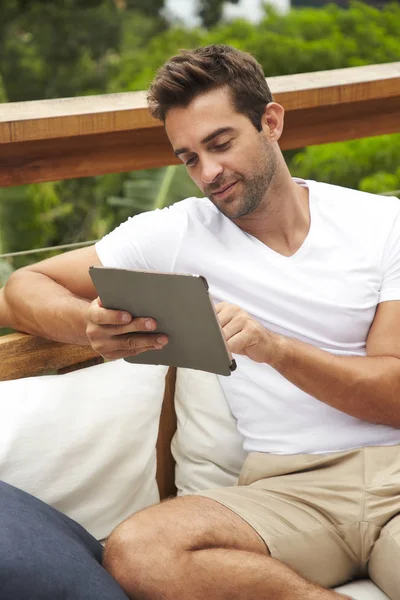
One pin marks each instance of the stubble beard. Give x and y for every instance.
(255, 187)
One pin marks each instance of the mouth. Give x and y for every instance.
(225, 191)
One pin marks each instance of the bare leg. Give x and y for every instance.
(193, 548)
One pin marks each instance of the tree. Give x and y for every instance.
(303, 40)
(51, 50)
(106, 45)
(210, 11)
(369, 164)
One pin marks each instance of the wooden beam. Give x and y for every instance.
(165, 474)
(70, 117)
(79, 137)
(348, 121)
(84, 156)
(23, 355)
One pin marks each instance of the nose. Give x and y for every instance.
(211, 169)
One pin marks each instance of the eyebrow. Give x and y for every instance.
(207, 139)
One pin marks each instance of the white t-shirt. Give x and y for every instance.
(325, 294)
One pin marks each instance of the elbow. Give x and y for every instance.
(4, 310)
(384, 394)
(9, 296)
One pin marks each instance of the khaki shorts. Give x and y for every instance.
(331, 517)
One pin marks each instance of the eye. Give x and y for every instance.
(191, 162)
(224, 146)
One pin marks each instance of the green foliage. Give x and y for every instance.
(382, 182)
(304, 40)
(50, 49)
(210, 11)
(370, 164)
(24, 211)
(313, 39)
(54, 50)
(5, 272)
(3, 97)
(78, 47)
(27, 217)
(153, 188)
(140, 56)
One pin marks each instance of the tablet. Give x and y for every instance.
(183, 310)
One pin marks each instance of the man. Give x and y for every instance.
(306, 278)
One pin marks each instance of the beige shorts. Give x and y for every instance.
(331, 517)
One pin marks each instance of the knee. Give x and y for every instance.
(165, 530)
(127, 549)
(150, 553)
(139, 557)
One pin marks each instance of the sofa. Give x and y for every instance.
(88, 442)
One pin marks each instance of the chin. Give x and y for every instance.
(239, 210)
(230, 207)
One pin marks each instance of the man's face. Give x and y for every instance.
(228, 159)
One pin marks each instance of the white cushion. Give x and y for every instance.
(207, 446)
(362, 590)
(84, 442)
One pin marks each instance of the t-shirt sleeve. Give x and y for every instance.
(390, 289)
(149, 241)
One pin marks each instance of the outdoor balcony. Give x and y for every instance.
(79, 137)
(69, 138)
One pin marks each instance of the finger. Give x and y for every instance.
(118, 318)
(233, 327)
(220, 306)
(137, 343)
(233, 317)
(136, 325)
(227, 313)
(106, 316)
(238, 343)
(128, 344)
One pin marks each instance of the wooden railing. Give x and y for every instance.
(79, 137)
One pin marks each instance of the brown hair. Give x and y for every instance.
(195, 72)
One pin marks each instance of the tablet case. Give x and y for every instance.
(182, 308)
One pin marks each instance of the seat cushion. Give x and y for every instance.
(363, 589)
(84, 442)
(44, 555)
(207, 447)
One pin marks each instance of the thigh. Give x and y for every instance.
(190, 523)
(44, 555)
(384, 562)
(307, 510)
(296, 534)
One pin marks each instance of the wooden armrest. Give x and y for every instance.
(23, 355)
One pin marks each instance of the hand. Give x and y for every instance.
(245, 335)
(115, 334)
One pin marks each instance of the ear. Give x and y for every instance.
(272, 121)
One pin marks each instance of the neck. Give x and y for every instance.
(282, 220)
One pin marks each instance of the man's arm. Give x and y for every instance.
(365, 387)
(56, 299)
(51, 298)
(4, 319)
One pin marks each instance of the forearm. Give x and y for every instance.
(367, 388)
(34, 303)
